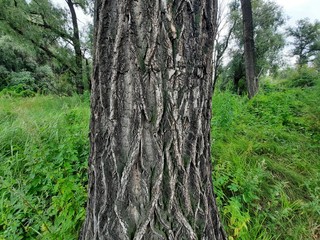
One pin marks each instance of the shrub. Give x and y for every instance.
(44, 78)
(4, 73)
(303, 77)
(23, 79)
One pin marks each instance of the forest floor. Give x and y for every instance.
(265, 155)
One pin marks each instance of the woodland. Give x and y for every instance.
(265, 139)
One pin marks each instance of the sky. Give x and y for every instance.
(298, 9)
(82, 18)
(295, 10)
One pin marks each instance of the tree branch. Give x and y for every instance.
(43, 48)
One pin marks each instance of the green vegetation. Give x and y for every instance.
(265, 155)
(306, 42)
(266, 160)
(268, 20)
(42, 48)
(265, 151)
(43, 160)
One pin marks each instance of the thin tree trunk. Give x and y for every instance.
(88, 74)
(249, 50)
(77, 48)
(221, 47)
(150, 166)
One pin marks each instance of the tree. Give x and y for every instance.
(316, 61)
(47, 28)
(249, 49)
(19, 68)
(306, 40)
(149, 165)
(77, 46)
(268, 18)
(222, 40)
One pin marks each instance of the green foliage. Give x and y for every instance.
(269, 39)
(14, 56)
(22, 74)
(265, 155)
(306, 42)
(304, 77)
(43, 159)
(268, 18)
(266, 162)
(20, 71)
(47, 29)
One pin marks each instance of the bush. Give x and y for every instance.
(20, 84)
(44, 78)
(19, 66)
(17, 91)
(303, 77)
(4, 73)
(24, 79)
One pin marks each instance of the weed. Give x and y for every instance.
(43, 155)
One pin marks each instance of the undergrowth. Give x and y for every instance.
(43, 159)
(265, 154)
(266, 162)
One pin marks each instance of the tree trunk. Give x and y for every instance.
(249, 50)
(149, 165)
(88, 70)
(77, 48)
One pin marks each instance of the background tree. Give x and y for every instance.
(316, 61)
(268, 18)
(306, 40)
(222, 39)
(149, 166)
(20, 70)
(49, 29)
(249, 49)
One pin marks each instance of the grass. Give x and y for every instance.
(266, 163)
(265, 154)
(43, 159)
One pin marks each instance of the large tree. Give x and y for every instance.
(149, 166)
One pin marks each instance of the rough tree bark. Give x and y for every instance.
(149, 166)
(249, 50)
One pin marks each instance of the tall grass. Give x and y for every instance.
(266, 163)
(265, 154)
(43, 155)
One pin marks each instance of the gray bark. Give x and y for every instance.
(249, 49)
(149, 166)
